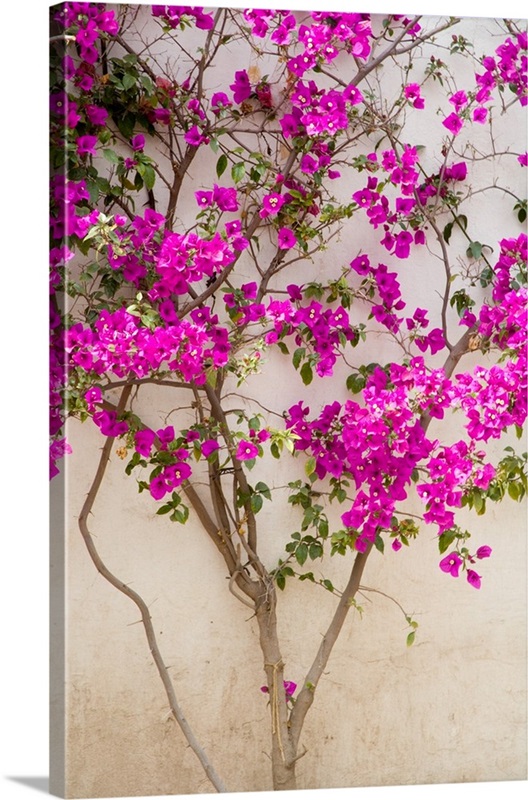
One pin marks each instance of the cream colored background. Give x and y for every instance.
(452, 708)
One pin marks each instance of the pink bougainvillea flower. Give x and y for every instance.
(453, 123)
(204, 199)
(484, 551)
(289, 688)
(396, 545)
(225, 199)
(194, 136)
(144, 439)
(412, 93)
(138, 142)
(165, 435)
(219, 101)
(246, 450)
(286, 238)
(456, 172)
(473, 579)
(459, 100)
(86, 145)
(158, 487)
(480, 114)
(241, 88)
(272, 204)
(523, 159)
(209, 446)
(96, 114)
(92, 396)
(451, 564)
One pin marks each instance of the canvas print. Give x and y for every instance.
(288, 399)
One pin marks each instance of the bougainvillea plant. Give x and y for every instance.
(319, 205)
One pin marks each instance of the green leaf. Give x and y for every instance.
(474, 250)
(149, 176)
(447, 232)
(315, 550)
(281, 580)
(411, 637)
(298, 356)
(306, 373)
(379, 544)
(221, 165)
(128, 81)
(110, 155)
(309, 467)
(514, 490)
(164, 509)
(263, 489)
(256, 503)
(328, 585)
(355, 383)
(445, 540)
(301, 554)
(238, 172)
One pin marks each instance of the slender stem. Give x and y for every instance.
(306, 695)
(141, 605)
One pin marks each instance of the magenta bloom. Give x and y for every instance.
(484, 551)
(241, 87)
(451, 564)
(246, 450)
(220, 101)
(95, 395)
(86, 145)
(96, 114)
(480, 115)
(453, 123)
(166, 435)
(286, 238)
(144, 440)
(194, 136)
(404, 239)
(289, 688)
(209, 446)
(138, 142)
(271, 204)
(473, 579)
(204, 199)
(457, 172)
(523, 159)
(158, 487)
(459, 100)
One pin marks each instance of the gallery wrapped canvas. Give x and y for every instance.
(288, 399)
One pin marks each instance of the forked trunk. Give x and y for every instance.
(283, 750)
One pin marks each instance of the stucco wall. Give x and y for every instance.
(451, 708)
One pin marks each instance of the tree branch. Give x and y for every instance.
(307, 693)
(141, 605)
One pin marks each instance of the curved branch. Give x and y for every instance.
(141, 605)
(307, 693)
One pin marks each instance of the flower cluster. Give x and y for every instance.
(174, 16)
(400, 224)
(119, 345)
(452, 471)
(377, 444)
(507, 67)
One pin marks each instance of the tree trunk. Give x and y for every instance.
(283, 751)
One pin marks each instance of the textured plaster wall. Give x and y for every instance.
(451, 708)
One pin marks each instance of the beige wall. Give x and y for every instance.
(451, 708)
